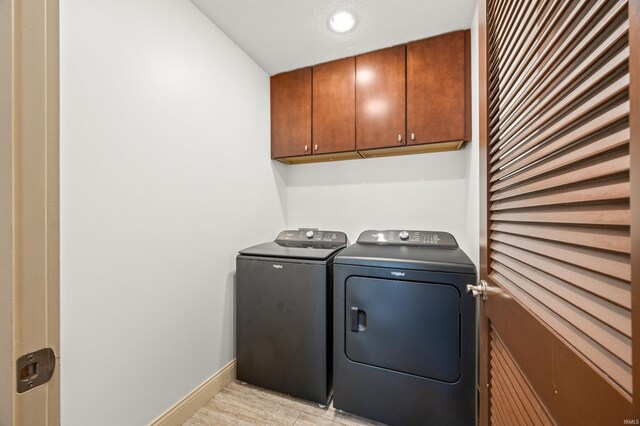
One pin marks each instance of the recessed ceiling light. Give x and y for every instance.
(341, 22)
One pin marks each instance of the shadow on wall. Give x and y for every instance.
(279, 171)
(229, 317)
(440, 166)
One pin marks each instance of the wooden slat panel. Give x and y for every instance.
(496, 420)
(502, 403)
(600, 238)
(579, 114)
(495, 9)
(529, 116)
(608, 214)
(502, 399)
(542, 75)
(505, 15)
(535, 410)
(504, 382)
(611, 189)
(542, 54)
(618, 371)
(597, 144)
(557, 140)
(537, 16)
(500, 49)
(495, 158)
(612, 264)
(512, 399)
(613, 316)
(501, 407)
(614, 342)
(554, 61)
(538, 118)
(580, 173)
(543, 44)
(513, 50)
(608, 288)
(504, 33)
(602, 121)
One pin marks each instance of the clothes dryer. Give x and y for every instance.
(404, 329)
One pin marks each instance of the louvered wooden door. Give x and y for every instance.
(560, 207)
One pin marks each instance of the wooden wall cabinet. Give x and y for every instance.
(291, 114)
(334, 109)
(380, 98)
(406, 99)
(439, 89)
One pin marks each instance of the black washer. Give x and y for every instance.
(404, 329)
(284, 313)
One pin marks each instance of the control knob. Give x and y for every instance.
(404, 235)
(309, 234)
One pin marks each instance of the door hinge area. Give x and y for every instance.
(34, 369)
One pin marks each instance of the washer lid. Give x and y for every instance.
(418, 250)
(303, 243)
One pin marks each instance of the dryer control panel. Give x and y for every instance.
(311, 238)
(409, 238)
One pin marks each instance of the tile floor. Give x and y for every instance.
(240, 404)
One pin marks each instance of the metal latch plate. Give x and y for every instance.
(34, 369)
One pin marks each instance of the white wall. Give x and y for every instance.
(165, 175)
(473, 168)
(426, 191)
(437, 191)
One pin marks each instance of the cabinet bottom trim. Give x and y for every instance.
(316, 158)
(412, 149)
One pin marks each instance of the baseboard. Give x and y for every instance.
(190, 404)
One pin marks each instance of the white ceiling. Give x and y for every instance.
(282, 35)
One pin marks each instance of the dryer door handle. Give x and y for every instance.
(354, 318)
(358, 319)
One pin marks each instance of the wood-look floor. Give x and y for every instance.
(240, 404)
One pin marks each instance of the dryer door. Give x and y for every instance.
(404, 326)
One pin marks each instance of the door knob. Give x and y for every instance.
(413, 136)
(399, 138)
(478, 290)
(306, 148)
(315, 147)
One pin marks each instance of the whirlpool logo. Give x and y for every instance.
(276, 266)
(397, 274)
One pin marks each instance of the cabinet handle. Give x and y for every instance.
(306, 148)
(413, 136)
(315, 147)
(399, 138)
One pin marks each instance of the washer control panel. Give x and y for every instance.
(409, 238)
(312, 238)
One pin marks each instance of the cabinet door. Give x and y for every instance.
(380, 98)
(439, 89)
(291, 113)
(334, 110)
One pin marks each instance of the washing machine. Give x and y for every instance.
(284, 313)
(404, 329)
